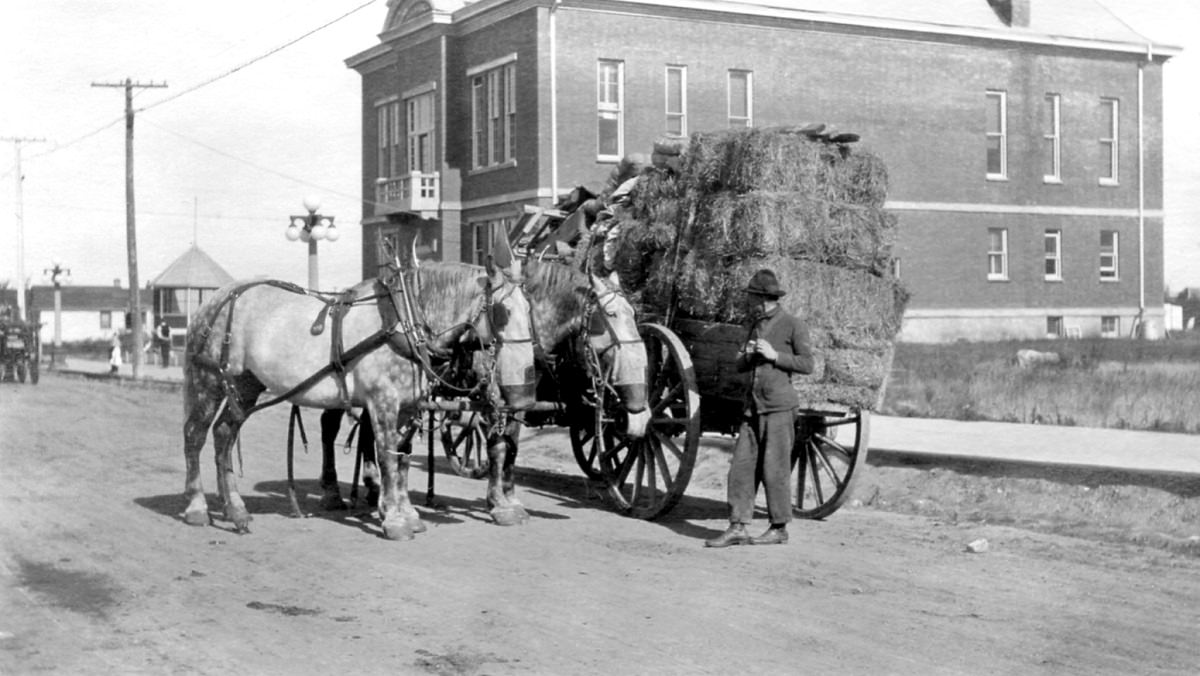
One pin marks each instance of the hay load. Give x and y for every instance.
(801, 201)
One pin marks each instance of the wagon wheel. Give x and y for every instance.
(646, 477)
(590, 431)
(828, 453)
(465, 443)
(21, 371)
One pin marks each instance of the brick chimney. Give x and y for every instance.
(1012, 12)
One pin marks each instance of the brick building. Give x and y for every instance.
(1023, 138)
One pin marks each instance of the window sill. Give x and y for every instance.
(1054, 280)
(1110, 280)
(608, 159)
(997, 177)
(1052, 180)
(997, 279)
(495, 167)
(1109, 182)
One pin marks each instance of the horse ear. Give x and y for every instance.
(502, 250)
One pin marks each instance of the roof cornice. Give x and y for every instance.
(734, 8)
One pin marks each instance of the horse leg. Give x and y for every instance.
(499, 506)
(508, 482)
(201, 408)
(393, 499)
(331, 496)
(225, 434)
(370, 464)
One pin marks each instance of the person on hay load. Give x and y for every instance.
(776, 347)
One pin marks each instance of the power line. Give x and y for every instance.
(253, 164)
(235, 69)
(84, 137)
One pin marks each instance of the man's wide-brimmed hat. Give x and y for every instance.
(764, 283)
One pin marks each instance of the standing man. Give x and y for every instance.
(162, 333)
(776, 348)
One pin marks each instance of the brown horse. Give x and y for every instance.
(587, 337)
(267, 344)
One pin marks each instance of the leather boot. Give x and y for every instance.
(775, 535)
(734, 535)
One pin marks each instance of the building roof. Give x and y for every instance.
(1072, 23)
(193, 270)
(86, 298)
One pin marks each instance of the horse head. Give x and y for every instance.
(613, 335)
(504, 327)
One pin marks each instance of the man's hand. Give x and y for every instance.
(763, 348)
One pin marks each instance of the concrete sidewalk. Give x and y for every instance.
(1007, 442)
(1016, 442)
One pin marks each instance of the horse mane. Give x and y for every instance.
(447, 288)
(559, 295)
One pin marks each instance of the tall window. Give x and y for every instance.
(493, 114)
(483, 234)
(610, 112)
(420, 127)
(387, 117)
(997, 253)
(741, 98)
(1109, 255)
(106, 319)
(1053, 139)
(677, 101)
(1053, 255)
(1110, 117)
(997, 135)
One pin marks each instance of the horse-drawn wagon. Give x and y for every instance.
(692, 231)
(18, 350)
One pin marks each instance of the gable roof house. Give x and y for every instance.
(1023, 137)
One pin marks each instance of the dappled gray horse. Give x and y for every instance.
(257, 336)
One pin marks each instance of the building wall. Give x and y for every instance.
(918, 101)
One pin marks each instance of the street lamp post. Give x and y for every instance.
(57, 274)
(311, 228)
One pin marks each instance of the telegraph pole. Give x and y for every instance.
(17, 141)
(135, 296)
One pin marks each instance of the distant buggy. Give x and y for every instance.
(18, 350)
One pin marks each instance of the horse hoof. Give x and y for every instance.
(522, 515)
(508, 517)
(197, 518)
(397, 530)
(416, 524)
(333, 503)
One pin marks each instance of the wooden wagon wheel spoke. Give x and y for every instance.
(826, 447)
(661, 461)
(465, 444)
(812, 466)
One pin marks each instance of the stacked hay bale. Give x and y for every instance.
(800, 201)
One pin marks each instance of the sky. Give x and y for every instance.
(260, 112)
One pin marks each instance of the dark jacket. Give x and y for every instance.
(771, 384)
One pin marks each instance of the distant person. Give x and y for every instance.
(114, 355)
(776, 347)
(162, 335)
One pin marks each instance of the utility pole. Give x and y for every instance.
(17, 141)
(135, 296)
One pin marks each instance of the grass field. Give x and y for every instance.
(1117, 383)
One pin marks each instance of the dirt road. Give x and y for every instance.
(98, 574)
